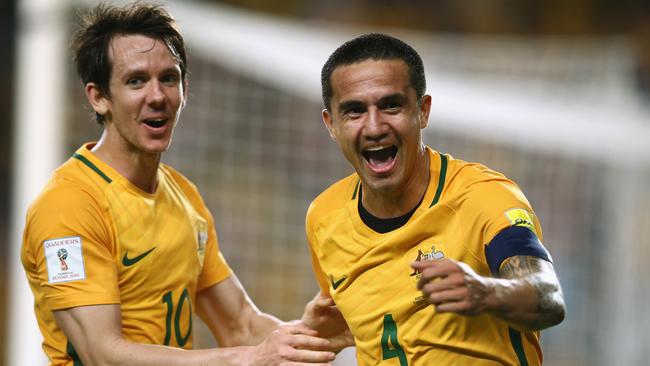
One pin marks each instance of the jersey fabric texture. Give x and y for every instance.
(368, 273)
(92, 237)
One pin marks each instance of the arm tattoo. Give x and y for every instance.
(520, 266)
(540, 274)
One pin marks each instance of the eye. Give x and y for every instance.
(170, 79)
(354, 111)
(135, 82)
(392, 106)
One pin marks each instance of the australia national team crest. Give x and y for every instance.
(423, 252)
(201, 240)
(64, 258)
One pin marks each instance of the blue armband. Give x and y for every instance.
(513, 241)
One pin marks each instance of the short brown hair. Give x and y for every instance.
(98, 27)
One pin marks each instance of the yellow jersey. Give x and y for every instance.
(368, 273)
(92, 237)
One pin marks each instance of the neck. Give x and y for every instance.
(137, 167)
(402, 200)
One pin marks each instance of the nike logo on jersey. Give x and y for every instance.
(126, 261)
(336, 284)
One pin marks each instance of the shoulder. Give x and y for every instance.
(178, 178)
(68, 190)
(477, 181)
(71, 204)
(187, 187)
(334, 197)
(482, 195)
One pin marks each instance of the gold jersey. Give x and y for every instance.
(92, 237)
(368, 273)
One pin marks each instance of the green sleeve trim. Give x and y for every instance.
(76, 361)
(517, 345)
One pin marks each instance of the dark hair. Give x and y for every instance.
(100, 26)
(373, 46)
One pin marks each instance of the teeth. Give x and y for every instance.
(377, 148)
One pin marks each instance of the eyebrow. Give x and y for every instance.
(350, 104)
(143, 71)
(396, 97)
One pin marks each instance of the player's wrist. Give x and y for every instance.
(247, 355)
(498, 291)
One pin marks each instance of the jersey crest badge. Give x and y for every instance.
(423, 252)
(426, 256)
(201, 240)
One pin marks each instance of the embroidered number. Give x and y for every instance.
(389, 344)
(167, 299)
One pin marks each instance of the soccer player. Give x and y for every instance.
(120, 249)
(430, 259)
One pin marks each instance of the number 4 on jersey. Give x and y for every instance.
(389, 344)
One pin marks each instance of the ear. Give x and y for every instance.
(185, 92)
(425, 109)
(327, 120)
(100, 103)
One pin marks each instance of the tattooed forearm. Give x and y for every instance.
(539, 274)
(520, 266)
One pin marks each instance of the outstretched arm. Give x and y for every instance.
(235, 321)
(96, 334)
(527, 294)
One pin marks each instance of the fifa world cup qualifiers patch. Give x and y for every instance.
(521, 217)
(64, 258)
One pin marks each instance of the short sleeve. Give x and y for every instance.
(68, 249)
(321, 278)
(215, 268)
(490, 205)
(495, 204)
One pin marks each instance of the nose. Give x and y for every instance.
(374, 127)
(156, 95)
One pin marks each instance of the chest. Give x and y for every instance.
(371, 279)
(158, 240)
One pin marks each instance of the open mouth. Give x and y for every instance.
(155, 123)
(380, 157)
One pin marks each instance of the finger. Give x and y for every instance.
(310, 356)
(422, 264)
(430, 274)
(305, 364)
(447, 296)
(300, 328)
(461, 307)
(442, 270)
(453, 280)
(309, 342)
(323, 301)
(438, 286)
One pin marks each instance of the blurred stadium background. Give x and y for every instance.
(555, 94)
